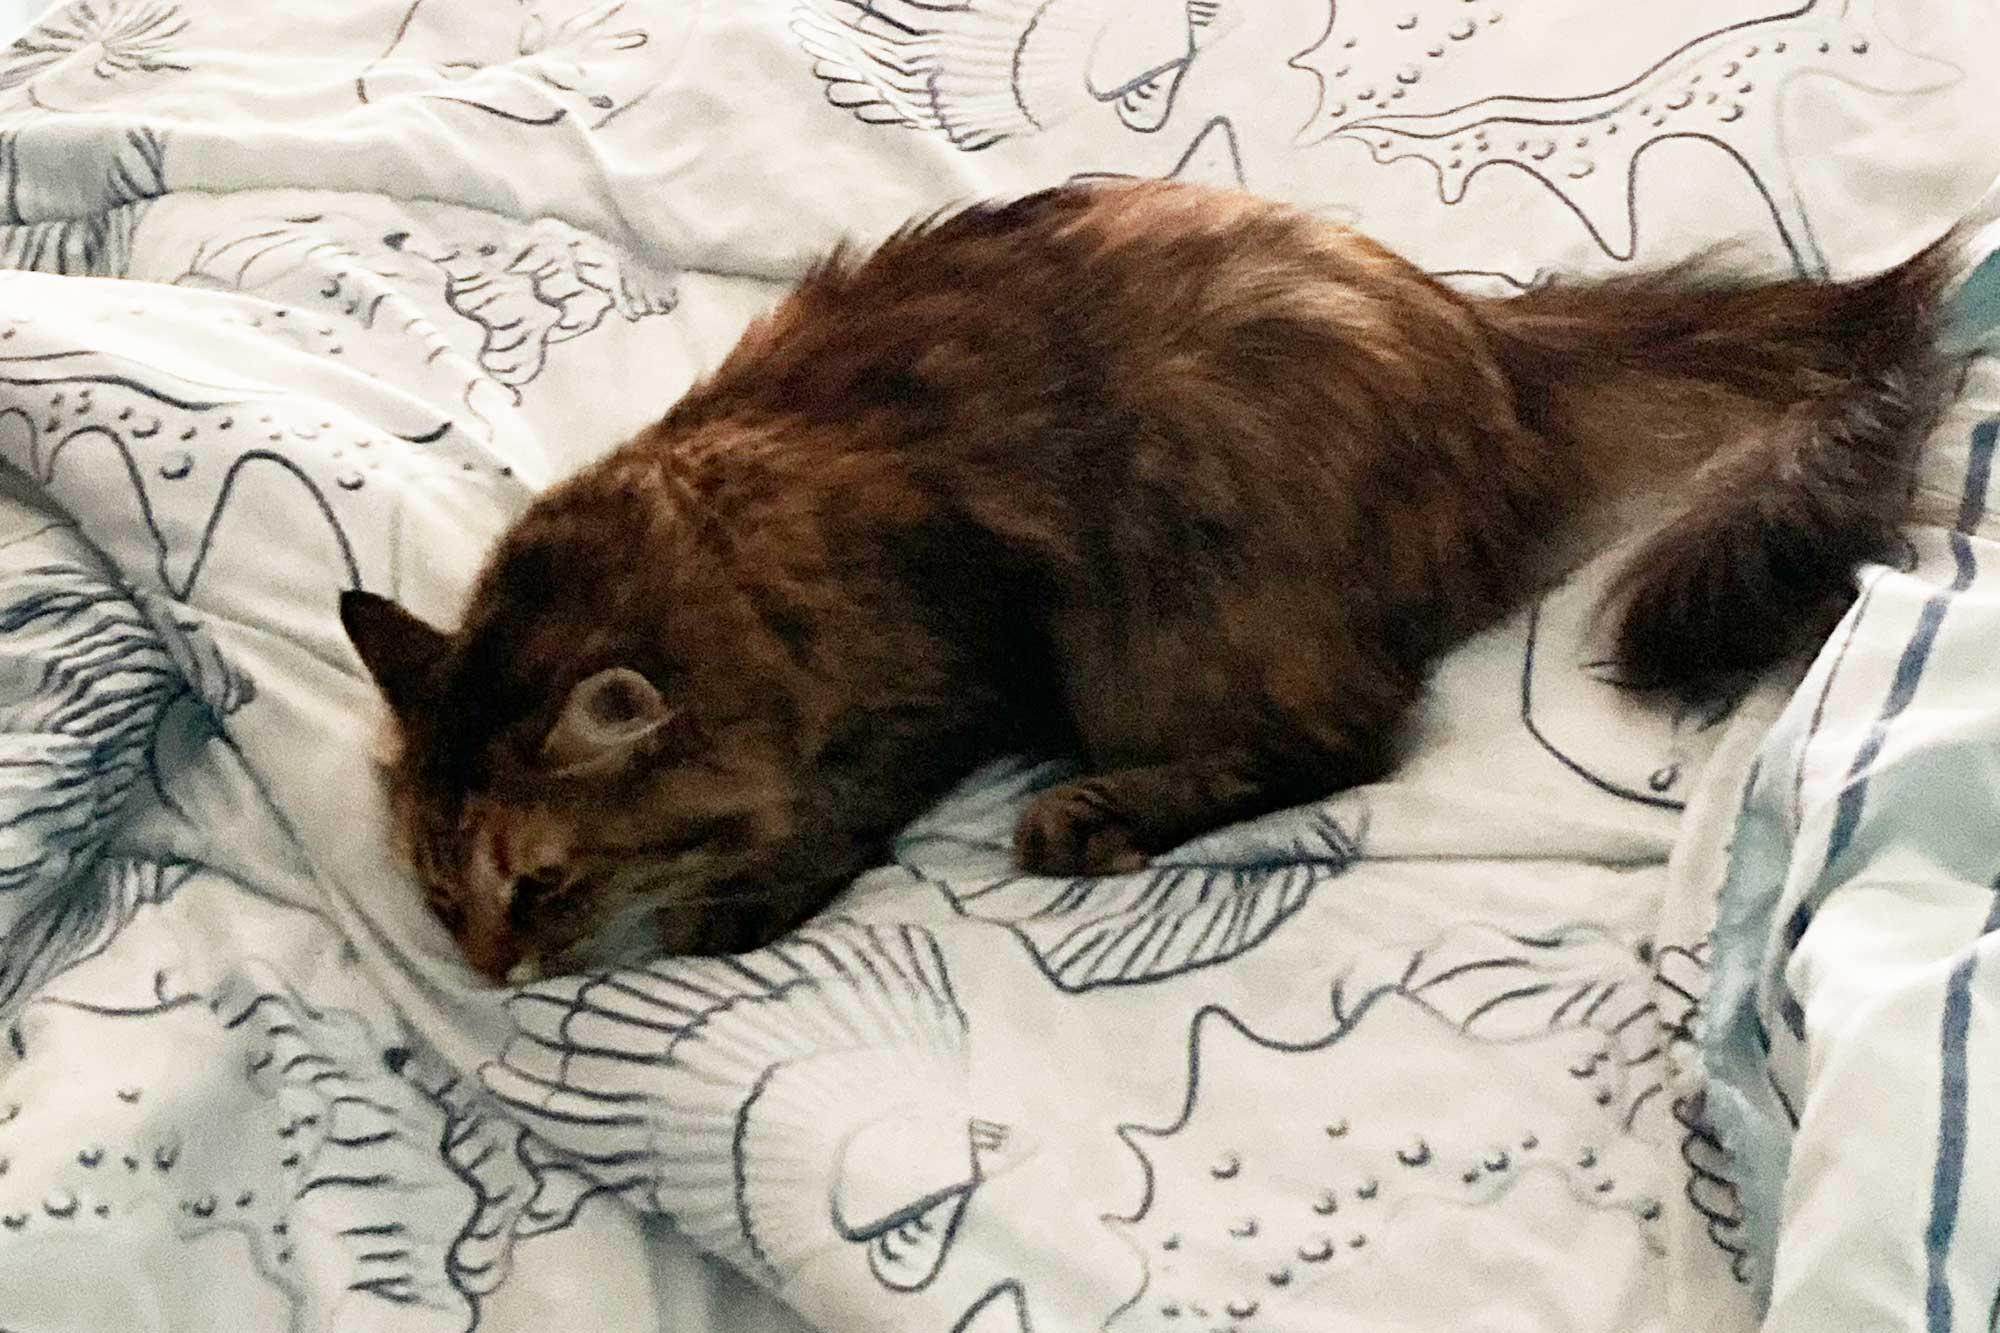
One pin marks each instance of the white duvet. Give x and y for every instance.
(315, 298)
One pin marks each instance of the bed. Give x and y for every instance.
(1597, 1015)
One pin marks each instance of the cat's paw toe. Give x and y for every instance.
(1073, 830)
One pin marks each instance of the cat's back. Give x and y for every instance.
(1110, 296)
(1135, 374)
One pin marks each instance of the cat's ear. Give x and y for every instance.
(400, 651)
(608, 716)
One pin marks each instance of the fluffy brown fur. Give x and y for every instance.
(1185, 482)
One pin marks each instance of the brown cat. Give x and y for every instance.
(1189, 484)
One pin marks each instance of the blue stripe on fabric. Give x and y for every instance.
(1979, 473)
(1916, 654)
(1854, 623)
(1784, 1102)
(1951, 1146)
(1854, 795)
(1903, 689)
(1909, 672)
(1946, 1176)
(1792, 1011)
(1747, 1105)
(1743, 1108)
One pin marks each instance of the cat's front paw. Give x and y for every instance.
(1075, 829)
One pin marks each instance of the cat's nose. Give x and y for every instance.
(492, 953)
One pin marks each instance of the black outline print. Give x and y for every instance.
(49, 228)
(520, 1186)
(1575, 1007)
(358, 1146)
(1680, 978)
(1685, 724)
(991, 70)
(1711, 1188)
(777, 1105)
(76, 920)
(1189, 910)
(908, 1243)
(1212, 157)
(327, 1142)
(526, 287)
(104, 681)
(528, 296)
(113, 663)
(1721, 88)
(84, 393)
(303, 263)
(294, 245)
(550, 72)
(121, 37)
(999, 1296)
(96, 245)
(128, 1154)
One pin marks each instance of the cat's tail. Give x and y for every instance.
(1782, 419)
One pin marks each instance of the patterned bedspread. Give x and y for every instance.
(304, 298)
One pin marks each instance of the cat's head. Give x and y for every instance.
(582, 772)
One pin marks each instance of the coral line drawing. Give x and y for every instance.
(1278, 1170)
(982, 73)
(1711, 1186)
(53, 172)
(527, 297)
(559, 59)
(108, 664)
(69, 925)
(97, 245)
(1680, 976)
(78, 743)
(356, 1144)
(108, 39)
(328, 1181)
(520, 1186)
(96, 419)
(272, 249)
(332, 262)
(525, 288)
(1723, 87)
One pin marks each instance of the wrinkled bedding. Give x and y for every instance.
(304, 299)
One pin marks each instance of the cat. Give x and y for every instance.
(1188, 484)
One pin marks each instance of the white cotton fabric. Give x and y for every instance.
(310, 298)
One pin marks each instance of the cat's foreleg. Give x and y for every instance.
(1112, 823)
